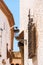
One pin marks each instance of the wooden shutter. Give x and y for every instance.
(31, 40)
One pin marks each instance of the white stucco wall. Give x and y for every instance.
(38, 18)
(5, 35)
(25, 5)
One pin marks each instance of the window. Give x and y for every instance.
(17, 64)
(32, 40)
(12, 64)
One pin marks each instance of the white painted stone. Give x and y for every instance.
(25, 5)
(5, 36)
(38, 19)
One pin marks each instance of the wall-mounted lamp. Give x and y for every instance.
(16, 32)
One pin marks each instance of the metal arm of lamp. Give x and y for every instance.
(16, 31)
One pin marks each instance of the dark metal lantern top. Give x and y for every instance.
(16, 30)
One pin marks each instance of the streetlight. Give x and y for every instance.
(16, 32)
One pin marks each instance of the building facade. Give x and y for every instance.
(17, 58)
(37, 9)
(38, 19)
(30, 36)
(6, 35)
(25, 5)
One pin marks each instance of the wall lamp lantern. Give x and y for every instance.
(16, 32)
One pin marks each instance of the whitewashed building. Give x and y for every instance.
(38, 18)
(25, 5)
(6, 35)
(17, 58)
(36, 9)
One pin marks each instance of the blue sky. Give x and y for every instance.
(13, 6)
